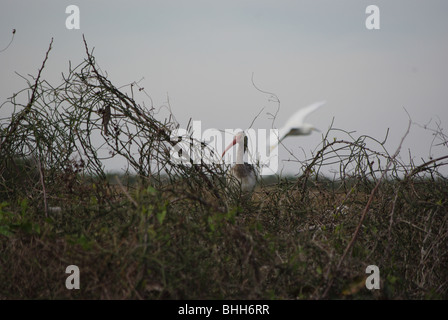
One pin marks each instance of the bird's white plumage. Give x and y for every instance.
(295, 125)
(241, 173)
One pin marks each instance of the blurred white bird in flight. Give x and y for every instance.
(295, 126)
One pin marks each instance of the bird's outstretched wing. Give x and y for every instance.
(295, 121)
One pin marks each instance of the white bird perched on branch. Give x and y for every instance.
(295, 126)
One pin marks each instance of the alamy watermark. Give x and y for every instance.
(73, 20)
(72, 281)
(196, 146)
(373, 280)
(373, 20)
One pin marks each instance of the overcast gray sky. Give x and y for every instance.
(202, 54)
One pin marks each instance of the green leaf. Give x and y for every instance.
(161, 215)
(24, 205)
(5, 231)
(319, 270)
(151, 190)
